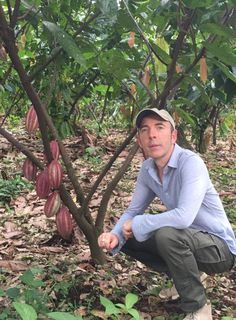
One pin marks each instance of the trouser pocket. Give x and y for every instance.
(212, 253)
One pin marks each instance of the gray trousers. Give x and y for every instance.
(182, 254)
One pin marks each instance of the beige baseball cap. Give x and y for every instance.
(162, 113)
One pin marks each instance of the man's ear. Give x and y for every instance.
(174, 135)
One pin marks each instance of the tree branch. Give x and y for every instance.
(111, 186)
(44, 120)
(108, 166)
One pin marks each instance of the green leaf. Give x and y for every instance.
(224, 53)
(2, 293)
(63, 316)
(130, 300)
(28, 279)
(198, 4)
(161, 53)
(187, 117)
(66, 41)
(26, 311)
(199, 86)
(108, 7)
(134, 313)
(218, 30)
(225, 70)
(13, 292)
(110, 308)
(182, 101)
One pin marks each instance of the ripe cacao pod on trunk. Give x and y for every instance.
(43, 185)
(55, 174)
(55, 149)
(29, 170)
(31, 122)
(53, 204)
(64, 223)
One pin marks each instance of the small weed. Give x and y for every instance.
(118, 310)
(9, 189)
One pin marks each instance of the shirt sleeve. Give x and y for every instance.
(194, 180)
(141, 199)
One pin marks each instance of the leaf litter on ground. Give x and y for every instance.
(28, 239)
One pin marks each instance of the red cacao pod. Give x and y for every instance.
(43, 185)
(55, 174)
(53, 204)
(64, 223)
(31, 121)
(29, 170)
(54, 147)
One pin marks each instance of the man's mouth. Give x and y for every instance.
(154, 146)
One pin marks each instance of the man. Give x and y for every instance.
(193, 235)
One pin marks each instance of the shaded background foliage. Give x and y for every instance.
(77, 55)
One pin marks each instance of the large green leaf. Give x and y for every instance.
(29, 279)
(194, 82)
(224, 53)
(218, 30)
(111, 309)
(114, 62)
(130, 300)
(225, 70)
(161, 53)
(186, 116)
(66, 41)
(26, 311)
(109, 8)
(198, 3)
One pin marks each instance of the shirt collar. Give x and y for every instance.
(173, 162)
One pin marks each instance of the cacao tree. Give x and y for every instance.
(169, 54)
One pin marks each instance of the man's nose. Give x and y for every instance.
(152, 132)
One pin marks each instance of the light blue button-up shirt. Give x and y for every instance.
(188, 194)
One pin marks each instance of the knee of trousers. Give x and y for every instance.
(167, 238)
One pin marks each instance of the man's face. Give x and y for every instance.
(156, 137)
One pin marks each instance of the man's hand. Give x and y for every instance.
(127, 230)
(108, 240)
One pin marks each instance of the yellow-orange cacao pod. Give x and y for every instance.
(203, 69)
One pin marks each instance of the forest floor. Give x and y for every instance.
(38, 267)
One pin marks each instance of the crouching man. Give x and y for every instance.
(194, 235)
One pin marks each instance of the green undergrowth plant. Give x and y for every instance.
(117, 311)
(10, 188)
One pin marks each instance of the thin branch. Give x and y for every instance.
(108, 166)
(104, 107)
(15, 14)
(45, 121)
(21, 148)
(150, 47)
(111, 186)
(9, 9)
(178, 45)
(175, 84)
